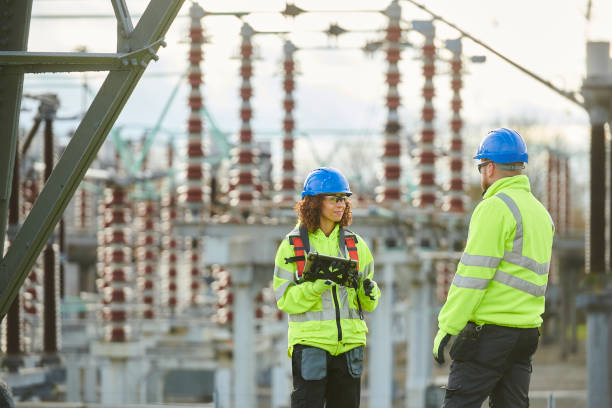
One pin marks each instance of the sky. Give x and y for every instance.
(340, 91)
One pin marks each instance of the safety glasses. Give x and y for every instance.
(483, 164)
(336, 198)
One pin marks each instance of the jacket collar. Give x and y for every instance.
(520, 182)
(319, 234)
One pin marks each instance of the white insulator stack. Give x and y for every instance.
(455, 197)
(115, 258)
(243, 184)
(222, 285)
(390, 193)
(147, 257)
(286, 196)
(425, 195)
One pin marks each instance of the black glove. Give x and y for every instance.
(440, 342)
(368, 287)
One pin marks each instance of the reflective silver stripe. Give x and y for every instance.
(280, 291)
(519, 284)
(527, 263)
(469, 282)
(516, 256)
(343, 299)
(369, 268)
(517, 246)
(345, 310)
(283, 274)
(328, 312)
(479, 260)
(551, 220)
(320, 315)
(327, 302)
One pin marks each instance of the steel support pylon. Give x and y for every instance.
(137, 48)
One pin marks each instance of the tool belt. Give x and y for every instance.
(465, 346)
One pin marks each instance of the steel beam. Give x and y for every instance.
(15, 23)
(19, 62)
(80, 152)
(34, 62)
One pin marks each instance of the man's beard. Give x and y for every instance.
(484, 187)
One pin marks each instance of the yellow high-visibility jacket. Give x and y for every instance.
(502, 276)
(329, 321)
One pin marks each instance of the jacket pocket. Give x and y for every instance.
(354, 361)
(465, 346)
(314, 363)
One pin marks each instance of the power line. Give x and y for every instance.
(571, 95)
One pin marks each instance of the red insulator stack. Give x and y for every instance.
(444, 277)
(243, 178)
(170, 243)
(83, 209)
(169, 215)
(558, 184)
(33, 285)
(115, 258)
(390, 191)
(567, 224)
(147, 256)
(287, 187)
(222, 285)
(552, 194)
(455, 198)
(260, 305)
(193, 194)
(193, 258)
(425, 196)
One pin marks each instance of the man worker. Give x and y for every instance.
(496, 299)
(327, 332)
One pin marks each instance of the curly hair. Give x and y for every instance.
(309, 212)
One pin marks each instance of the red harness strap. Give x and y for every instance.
(351, 247)
(300, 255)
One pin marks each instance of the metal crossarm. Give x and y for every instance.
(81, 151)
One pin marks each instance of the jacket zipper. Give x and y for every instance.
(334, 293)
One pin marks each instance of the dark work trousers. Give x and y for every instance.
(336, 389)
(498, 367)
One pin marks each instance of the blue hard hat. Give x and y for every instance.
(325, 180)
(503, 146)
